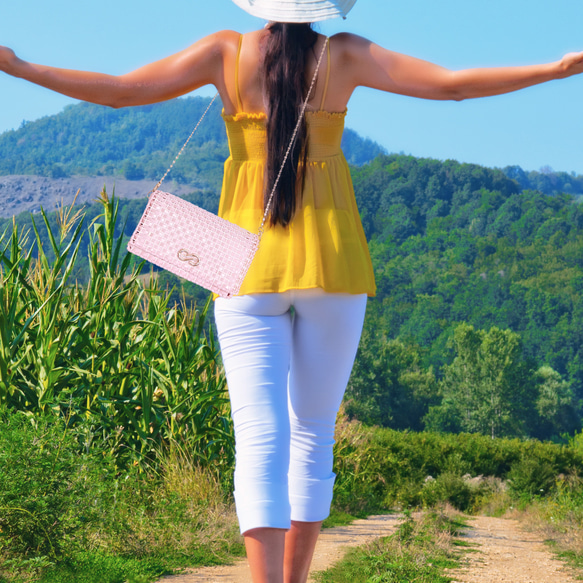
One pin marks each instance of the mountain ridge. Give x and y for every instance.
(86, 145)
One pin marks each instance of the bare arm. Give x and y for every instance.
(370, 65)
(198, 65)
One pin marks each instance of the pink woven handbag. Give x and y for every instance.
(195, 244)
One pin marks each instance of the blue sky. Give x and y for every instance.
(536, 127)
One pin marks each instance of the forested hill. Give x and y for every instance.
(547, 180)
(457, 246)
(136, 143)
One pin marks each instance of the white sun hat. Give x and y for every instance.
(296, 10)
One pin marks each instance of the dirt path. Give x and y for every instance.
(332, 544)
(506, 553)
(502, 552)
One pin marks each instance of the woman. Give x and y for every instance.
(289, 339)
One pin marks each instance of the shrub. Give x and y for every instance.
(380, 468)
(47, 490)
(71, 515)
(530, 477)
(452, 488)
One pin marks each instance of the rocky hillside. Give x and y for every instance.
(20, 193)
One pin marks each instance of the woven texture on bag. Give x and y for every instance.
(194, 244)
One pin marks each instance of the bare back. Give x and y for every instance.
(247, 75)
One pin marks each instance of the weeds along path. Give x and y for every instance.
(503, 552)
(332, 544)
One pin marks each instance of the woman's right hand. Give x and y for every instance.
(572, 64)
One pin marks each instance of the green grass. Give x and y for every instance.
(338, 518)
(70, 512)
(573, 559)
(69, 516)
(98, 567)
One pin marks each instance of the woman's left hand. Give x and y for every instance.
(7, 59)
(373, 66)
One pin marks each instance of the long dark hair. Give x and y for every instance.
(286, 53)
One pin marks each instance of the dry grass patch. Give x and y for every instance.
(186, 514)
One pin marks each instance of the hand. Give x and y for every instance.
(572, 64)
(7, 59)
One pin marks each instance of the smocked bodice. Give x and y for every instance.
(248, 141)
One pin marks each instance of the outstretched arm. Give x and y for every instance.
(370, 65)
(198, 65)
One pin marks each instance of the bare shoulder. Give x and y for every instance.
(227, 37)
(349, 42)
(218, 44)
(353, 54)
(350, 48)
(349, 39)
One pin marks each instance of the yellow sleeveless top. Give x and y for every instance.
(324, 246)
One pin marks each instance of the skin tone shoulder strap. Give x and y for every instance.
(329, 66)
(239, 102)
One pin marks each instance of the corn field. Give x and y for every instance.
(112, 357)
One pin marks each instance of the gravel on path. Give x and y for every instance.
(506, 553)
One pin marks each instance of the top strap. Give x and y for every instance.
(329, 64)
(239, 102)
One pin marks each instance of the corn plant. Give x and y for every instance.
(112, 356)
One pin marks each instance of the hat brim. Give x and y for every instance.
(296, 10)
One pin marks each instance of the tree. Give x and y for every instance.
(554, 403)
(388, 386)
(486, 387)
(132, 171)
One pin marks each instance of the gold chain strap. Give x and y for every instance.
(184, 146)
(293, 139)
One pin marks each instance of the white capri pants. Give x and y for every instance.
(287, 372)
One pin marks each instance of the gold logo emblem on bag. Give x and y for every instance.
(189, 258)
